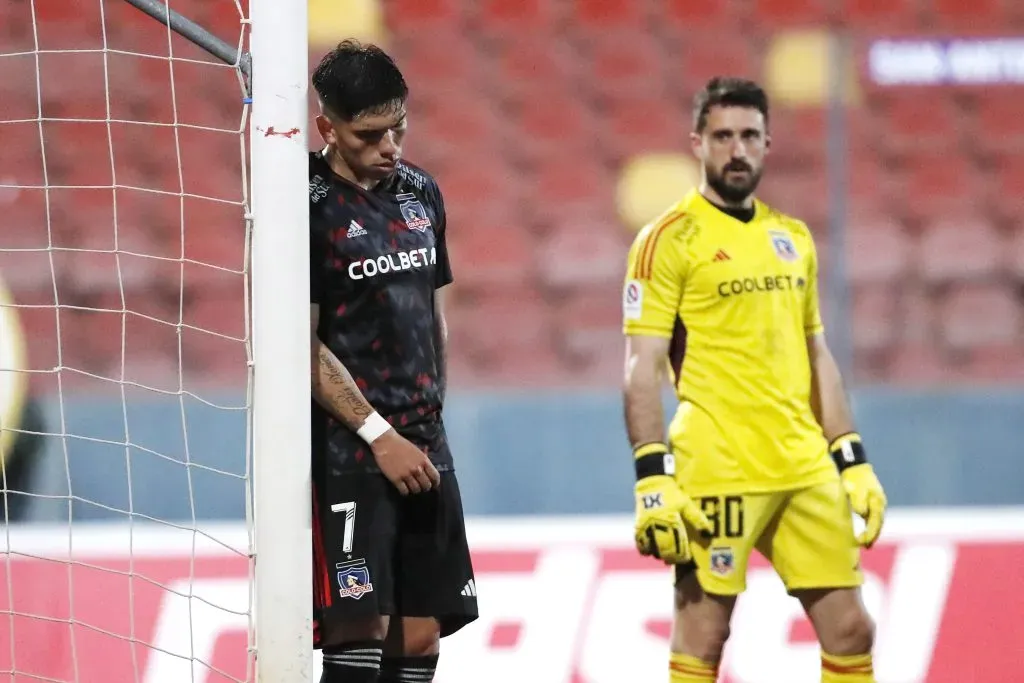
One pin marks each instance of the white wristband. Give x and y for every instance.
(373, 428)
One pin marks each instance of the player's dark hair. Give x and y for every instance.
(728, 92)
(354, 79)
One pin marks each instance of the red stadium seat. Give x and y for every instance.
(446, 59)
(682, 17)
(648, 124)
(877, 251)
(702, 57)
(918, 363)
(583, 254)
(589, 333)
(938, 183)
(529, 62)
(781, 13)
(801, 194)
(485, 257)
(514, 20)
(572, 188)
(958, 248)
(604, 14)
(467, 127)
(618, 66)
(1015, 252)
(876, 317)
(980, 315)
(908, 121)
(422, 16)
(998, 126)
(1009, 179)
(551, 123)
(976, 15)
(878, 14)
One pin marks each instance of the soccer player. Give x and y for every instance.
(762, 451)
(392, 569)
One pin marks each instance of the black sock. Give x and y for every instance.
(408, 669)
(355, 662)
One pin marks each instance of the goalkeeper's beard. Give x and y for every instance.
(732, 193)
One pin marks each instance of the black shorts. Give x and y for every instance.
(376, 552)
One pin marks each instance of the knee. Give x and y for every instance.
(854, 633)
(422, 644)
(709, 639)
(370, 630)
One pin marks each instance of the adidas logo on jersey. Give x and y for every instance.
(469, 590)
(355, 230)
(720, 255)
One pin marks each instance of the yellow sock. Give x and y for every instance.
(686, 669)
(846, 669)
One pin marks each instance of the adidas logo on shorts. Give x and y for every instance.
(355, 230)
(469, 590)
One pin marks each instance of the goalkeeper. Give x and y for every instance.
(762, 450)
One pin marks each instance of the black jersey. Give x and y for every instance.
(377, 258)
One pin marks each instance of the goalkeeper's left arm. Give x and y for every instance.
(661, 505)
(832, 409)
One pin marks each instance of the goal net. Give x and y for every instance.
(152, 256)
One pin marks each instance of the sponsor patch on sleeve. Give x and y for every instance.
(632, 300)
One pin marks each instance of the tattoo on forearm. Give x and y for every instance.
(340, 393)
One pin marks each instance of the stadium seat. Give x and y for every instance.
(481, 193)
(422, 16)
(551, 123)
(1008, 200)
(785, 13)
(522, 65)
(582, 254)
(878, 251)
(956, 15)
(460, 126)
(1015, 253)
(687, 17)
(980, 315)
(611, 72)
(601, 15)
(960, 248)
(801, 194)
(510, 21)
(998, 127)
(634, 126)
(489, 256)
(426, 66)
(701, 57)
(939, 183)
(919, 364)
(588, 328)
(575, 188)
(876, 317)
(908, 121)
(878, 14)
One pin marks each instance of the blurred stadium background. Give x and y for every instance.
(556, 129)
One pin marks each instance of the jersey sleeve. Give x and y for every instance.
(655, 278)
(443, 270)
(812, 311)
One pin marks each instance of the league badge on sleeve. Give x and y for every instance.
(413, 213)
(632, 300)
(782, 242)
(353, 579)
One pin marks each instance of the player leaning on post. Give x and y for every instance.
(392, 570)
(762, 450)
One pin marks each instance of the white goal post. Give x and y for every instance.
(281, 341)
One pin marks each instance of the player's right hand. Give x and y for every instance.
(662, 508)
(405, 465)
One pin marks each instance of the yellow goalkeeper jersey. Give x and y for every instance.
(738, 301)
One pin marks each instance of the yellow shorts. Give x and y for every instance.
(807, 535)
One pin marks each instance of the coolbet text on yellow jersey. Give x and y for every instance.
(738, 301)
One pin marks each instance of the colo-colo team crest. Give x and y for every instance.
(353, 580)
(413, 212)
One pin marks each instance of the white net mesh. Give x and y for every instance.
(123, 249)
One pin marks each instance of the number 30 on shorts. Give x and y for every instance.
(725, 514)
